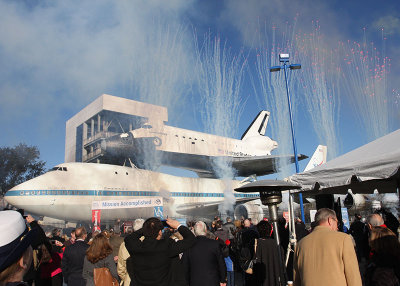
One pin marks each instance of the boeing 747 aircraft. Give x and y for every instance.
(72, 190)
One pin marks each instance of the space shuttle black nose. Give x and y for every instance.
(118, 147)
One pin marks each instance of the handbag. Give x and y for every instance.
(250, 267)
(102, 277)
(251, 263)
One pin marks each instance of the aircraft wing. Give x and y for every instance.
(262, 165)
(199, 209)
(243, 166)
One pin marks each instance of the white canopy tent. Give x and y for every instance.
(372, 166)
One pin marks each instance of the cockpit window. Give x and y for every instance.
(59, 169)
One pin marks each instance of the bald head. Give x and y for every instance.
(375, 220)
(200, 228)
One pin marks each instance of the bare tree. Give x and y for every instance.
(19, 164)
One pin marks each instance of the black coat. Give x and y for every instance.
(270, 266)
(72, 263)
(249, 237)
(151, 259)
(204, 263)
(383, 269)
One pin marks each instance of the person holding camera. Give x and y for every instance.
(152, 255)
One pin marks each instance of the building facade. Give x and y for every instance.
(105, 117)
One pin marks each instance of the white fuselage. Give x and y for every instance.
(173, 139)
(68, 191)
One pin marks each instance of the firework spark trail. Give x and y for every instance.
(319, 87)
(220, 75)
(366, 83)
(160, 77)
(271, 90)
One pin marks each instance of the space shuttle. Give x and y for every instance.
(155, 144)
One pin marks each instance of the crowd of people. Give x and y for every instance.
(240, 252)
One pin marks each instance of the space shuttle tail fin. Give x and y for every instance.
(258, 126)
(318, 158)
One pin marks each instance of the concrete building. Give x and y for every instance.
(105, 117)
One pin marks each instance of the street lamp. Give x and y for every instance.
(284, 59)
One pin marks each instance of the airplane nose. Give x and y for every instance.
(11, 197)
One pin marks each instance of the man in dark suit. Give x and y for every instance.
(152, 255)
(204, 262)
(72, 261)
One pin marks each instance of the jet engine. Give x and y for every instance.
(249, 210)
(354, 201)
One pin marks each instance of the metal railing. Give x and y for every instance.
(100, 135)
(90, 155)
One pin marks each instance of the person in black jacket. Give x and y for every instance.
(73, 258)
(384, 264)
(270, 265)
(204, 262)
(246, 240)
(39, 239)
(152, 255)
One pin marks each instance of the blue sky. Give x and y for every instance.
(58, 56)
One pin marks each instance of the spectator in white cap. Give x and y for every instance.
(15, 248)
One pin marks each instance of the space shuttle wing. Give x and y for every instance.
(204, 165)
(262, 165)
(201, 164)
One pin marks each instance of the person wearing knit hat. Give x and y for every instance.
(15, 248)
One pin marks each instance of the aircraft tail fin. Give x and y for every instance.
(318, 158)
(258, 126)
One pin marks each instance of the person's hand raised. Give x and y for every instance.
(173, 223)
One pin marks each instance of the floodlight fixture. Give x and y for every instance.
(295, 66)
(275, 69)
(283, 58)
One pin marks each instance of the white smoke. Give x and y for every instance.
(220, 75)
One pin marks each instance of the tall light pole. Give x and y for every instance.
(284, 59)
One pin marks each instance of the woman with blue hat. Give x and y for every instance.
(15, 248)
